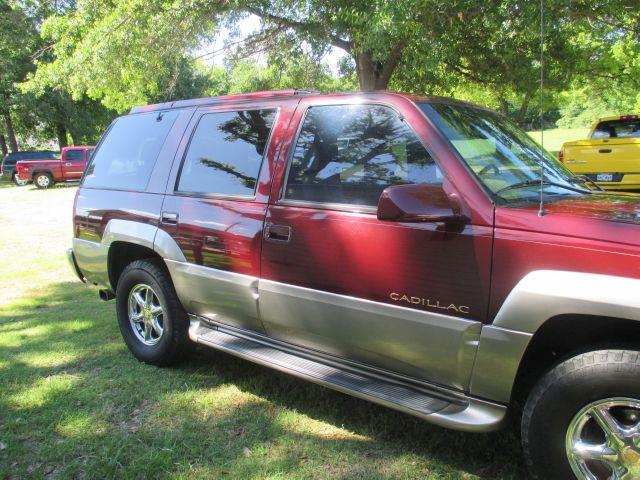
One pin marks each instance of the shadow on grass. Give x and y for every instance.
(74, 403)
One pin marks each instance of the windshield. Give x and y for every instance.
(504, 158)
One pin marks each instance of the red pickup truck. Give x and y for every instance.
(44, 173)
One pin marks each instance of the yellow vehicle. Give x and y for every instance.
(611, 155)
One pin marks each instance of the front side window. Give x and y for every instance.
(348, 154)
(128, 153)
(74, 155)
(225, 153)
(505, 159)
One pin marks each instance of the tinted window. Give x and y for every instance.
(129, 151)
(629, 128)
(225, 153)
(74, 155)
(349, 154)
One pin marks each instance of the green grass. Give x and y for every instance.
(75, 404)
(553, 139)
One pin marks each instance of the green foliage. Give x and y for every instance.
(129, 52)
(124, 52)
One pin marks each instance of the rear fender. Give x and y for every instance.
(92, 257)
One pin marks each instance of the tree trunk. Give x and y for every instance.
(523, 108)
(74, 137)
(374, 74)
(61, 133)
(11, 134)
(3, 145)
(504, 106)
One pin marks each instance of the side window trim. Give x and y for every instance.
(344, 207)
(194, 128)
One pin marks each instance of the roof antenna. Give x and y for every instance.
(541, 211)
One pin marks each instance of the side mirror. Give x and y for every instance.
(418, 203)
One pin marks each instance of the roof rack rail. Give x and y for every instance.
(197, 102)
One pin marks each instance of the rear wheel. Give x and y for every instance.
(17, 181)
(582, 419)
(43, 180)
(152, 321)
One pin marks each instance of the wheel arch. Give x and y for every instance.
(38, 170)
(123, 242)
(548, 316)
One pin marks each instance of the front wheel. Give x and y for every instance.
(152, 321)
(43, 180)
(582, 419)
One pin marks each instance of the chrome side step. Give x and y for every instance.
(461, 413)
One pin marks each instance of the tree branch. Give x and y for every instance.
(304, 27)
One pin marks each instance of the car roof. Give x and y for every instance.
(617, 117)
(271, 94)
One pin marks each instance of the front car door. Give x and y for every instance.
(73, 164)
(404, 297)
(215, 208)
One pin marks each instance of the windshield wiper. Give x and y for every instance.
(586, 181)
(529, 183)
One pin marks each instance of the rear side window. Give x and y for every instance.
(348, 154)
(225, 153)
(629, 128)
(74, 155)
(128, 153)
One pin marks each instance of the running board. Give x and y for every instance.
(460, 413)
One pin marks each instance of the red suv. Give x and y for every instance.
(385, 245)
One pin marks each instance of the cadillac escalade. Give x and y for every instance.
(418, 252)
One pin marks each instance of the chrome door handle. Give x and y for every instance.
(277, 233)
(170, 218)
(68, 164)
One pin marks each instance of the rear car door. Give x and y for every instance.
(215, 208)
(73, 163)
(404, 297)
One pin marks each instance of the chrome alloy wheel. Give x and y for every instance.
(43, 180)
(145, 314)
(603, 440)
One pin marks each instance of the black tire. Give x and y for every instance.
(174, 343)
(561, 394)
(43, 180)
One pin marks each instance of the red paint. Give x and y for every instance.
(474, 265)
(60, 170)
(595, 234)
(418, 203)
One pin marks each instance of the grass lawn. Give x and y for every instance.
(75, 404)
(553, 139)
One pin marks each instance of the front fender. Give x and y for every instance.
(538, 297)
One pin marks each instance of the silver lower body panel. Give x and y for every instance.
(436, 405)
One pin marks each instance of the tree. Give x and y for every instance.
(121, 51)
(16, 43)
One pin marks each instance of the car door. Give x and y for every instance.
(215, 208)
(73, 164)
(404, 297)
